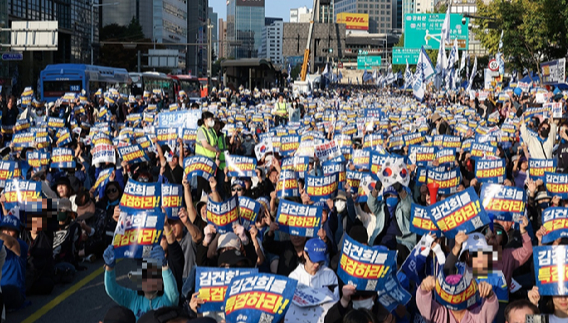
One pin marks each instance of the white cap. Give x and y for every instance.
(476, 242)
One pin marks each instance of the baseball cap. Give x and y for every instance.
(390, 190)
(316, 249)
(239, 182)
(229, 240)
(11, 222)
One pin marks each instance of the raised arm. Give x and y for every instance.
(160, 152)
(191, 211)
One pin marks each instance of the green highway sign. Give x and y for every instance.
(401, 54)
(424, 29)
(367, 62)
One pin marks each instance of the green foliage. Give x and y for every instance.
(534, 31)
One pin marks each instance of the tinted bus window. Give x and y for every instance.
(59, 88)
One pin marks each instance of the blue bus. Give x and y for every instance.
(58, 79)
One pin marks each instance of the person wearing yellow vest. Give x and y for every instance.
(206, 145)
(280, 111)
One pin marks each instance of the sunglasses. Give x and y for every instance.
(236, 189)
(111, 191)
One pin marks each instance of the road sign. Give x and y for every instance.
(493, 65)
(12, 56)
(366, 62)
(401, 54)
(424, 29)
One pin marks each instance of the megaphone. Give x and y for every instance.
(433, 190)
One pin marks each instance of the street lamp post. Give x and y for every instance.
(93, 5)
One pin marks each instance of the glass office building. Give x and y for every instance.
(245, 20)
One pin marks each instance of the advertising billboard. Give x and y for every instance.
(553, 71)
(354, 21)
(424, 29)
(250, 3)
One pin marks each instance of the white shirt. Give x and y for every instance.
(324, 277)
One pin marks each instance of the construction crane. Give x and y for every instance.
(304, 71)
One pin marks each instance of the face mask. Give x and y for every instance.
(392, 201)
(211, 123)
(544, 132)
(365, 303)
(543, 205)
(340, 205)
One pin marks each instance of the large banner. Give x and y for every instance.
(223, 215)
(259, 298)
(555, 221)
(551, 270)
(199, 166)
(490, 171)
(133, 154)
(172, 200)
(321, 188)
(212, 284)
(298, 219)
(537, 167)
(141, 196)
(556, 184)
(554, 71)
(363, 266)
(507, 203)
(137, 233)
(179, 120)
(240, 166)
(459, 212)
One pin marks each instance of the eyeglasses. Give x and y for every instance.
(237, 189)
(111, 190)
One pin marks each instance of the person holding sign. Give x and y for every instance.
(540, 147)
(313, 272)
(432, 311)
(158, 288)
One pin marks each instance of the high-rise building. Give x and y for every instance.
(245, 20)
(272, 42)
(423, 6)
(269, 20)
(407, 7)
(197, 33)
(222, 38)
(397, 15)
(302, 14)
(470, 7)
(214, 32)
(380, 13)
(325, 12)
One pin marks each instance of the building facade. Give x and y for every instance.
(302, 14)
(272, 43)
(222, 38)
(470, 7)
(423, 6)
(197, 34)
(380, 12)
(407, 7)
(245, 20)
(214, 32)
(325, 13)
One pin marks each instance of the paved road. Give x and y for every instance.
(84, 300)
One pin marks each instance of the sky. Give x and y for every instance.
(273, 8)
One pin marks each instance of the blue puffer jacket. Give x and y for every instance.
(139, 304)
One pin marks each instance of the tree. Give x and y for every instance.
(533, 30)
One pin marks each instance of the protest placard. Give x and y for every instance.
(321, 188)
(459, 212)
(24, 194)
(133, 154)
(459, 296)
(447, 181)
(287, 185)
(199, 166)
(62, 158)
(212, 284)
(505, 202)
(420, 222)
(364, 267)
(551, 270)
(555, 222)
(172, 200)
(139, 196)
(556, 184)
(223, 215)
(537, 167)
(240, 166)
(248, 211)
(137, 233)
(490, 171)
(298, 219)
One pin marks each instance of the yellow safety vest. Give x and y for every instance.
(211, 140)
(222, 144)
(281, 109)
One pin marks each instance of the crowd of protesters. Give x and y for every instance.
(38, 252)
